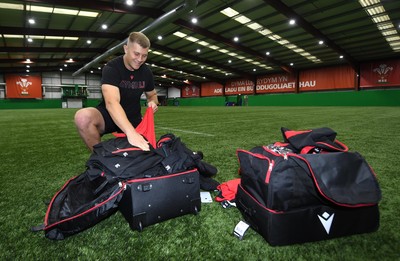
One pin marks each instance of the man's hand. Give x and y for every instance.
(137, 140)
(152, 105)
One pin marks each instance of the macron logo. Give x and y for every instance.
(326, 221)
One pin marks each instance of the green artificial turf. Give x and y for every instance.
(40, 150)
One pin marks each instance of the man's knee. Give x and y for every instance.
(82, 118)
(87, 117)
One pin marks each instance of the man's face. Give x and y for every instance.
(135, 55)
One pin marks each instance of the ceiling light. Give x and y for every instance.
(159, 37)
(242, 19)
(236, 39)
(65, 65)
(218, 49)
(255, 26)
(129, 2)
(28, 66)
(12, 6)
(194, 20)
(229, 12)
(265, 32)
(88, 41)
(378, 15)
(50, 10)
(292, 21)
(91, 71)
(30, 40)
(321, 42)
(61, 69)
(104, 26)
(88, 13)
(267, 53)
(254, 69)
(31, 21)
(229, 61)
(341, 57)
(65, 11)
(198, 50)
(291, 64)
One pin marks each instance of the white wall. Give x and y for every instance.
(53, 81)
(174, 92)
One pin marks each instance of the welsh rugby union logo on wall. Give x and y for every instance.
(383, 72)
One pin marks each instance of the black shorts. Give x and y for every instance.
(109, 125)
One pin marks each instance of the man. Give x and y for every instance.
(124, 79)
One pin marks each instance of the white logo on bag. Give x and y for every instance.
(326, 221)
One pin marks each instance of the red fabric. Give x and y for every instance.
(228, 190)
(291, 133)
(146, 127)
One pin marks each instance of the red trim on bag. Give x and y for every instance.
(261, 205)
(159, 143)
(343, 149)
(322, 193)
(80, 214)
(260, 156)
(127, 149)
(119, 134)
(270, 167)
(281, 144)
(161, 177)
(54, 197)
(306, 149)
(291, 133)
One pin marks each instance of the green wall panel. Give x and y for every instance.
(30, 103)
(343, 98)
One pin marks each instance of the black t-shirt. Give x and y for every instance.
(131, 84)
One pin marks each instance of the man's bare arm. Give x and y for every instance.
(112, 99)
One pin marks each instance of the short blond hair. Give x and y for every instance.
(139, 38)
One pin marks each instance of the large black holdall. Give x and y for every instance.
(167, 176)
(291, 197)
(149, 201)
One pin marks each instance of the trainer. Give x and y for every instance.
(124, 79)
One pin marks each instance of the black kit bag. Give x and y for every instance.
(148, 201)
(94, 195)
(81, 203)
(112, 169)
(294, 198)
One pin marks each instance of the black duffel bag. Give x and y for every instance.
(291, 197)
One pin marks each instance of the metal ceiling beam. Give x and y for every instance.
(200, 60)
(56, 32)
(51, 50)
(187, 71)
(47, 60)
(288, 12)
(228, 42)
(186, 7)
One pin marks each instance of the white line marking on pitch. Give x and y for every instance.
(186, 131)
